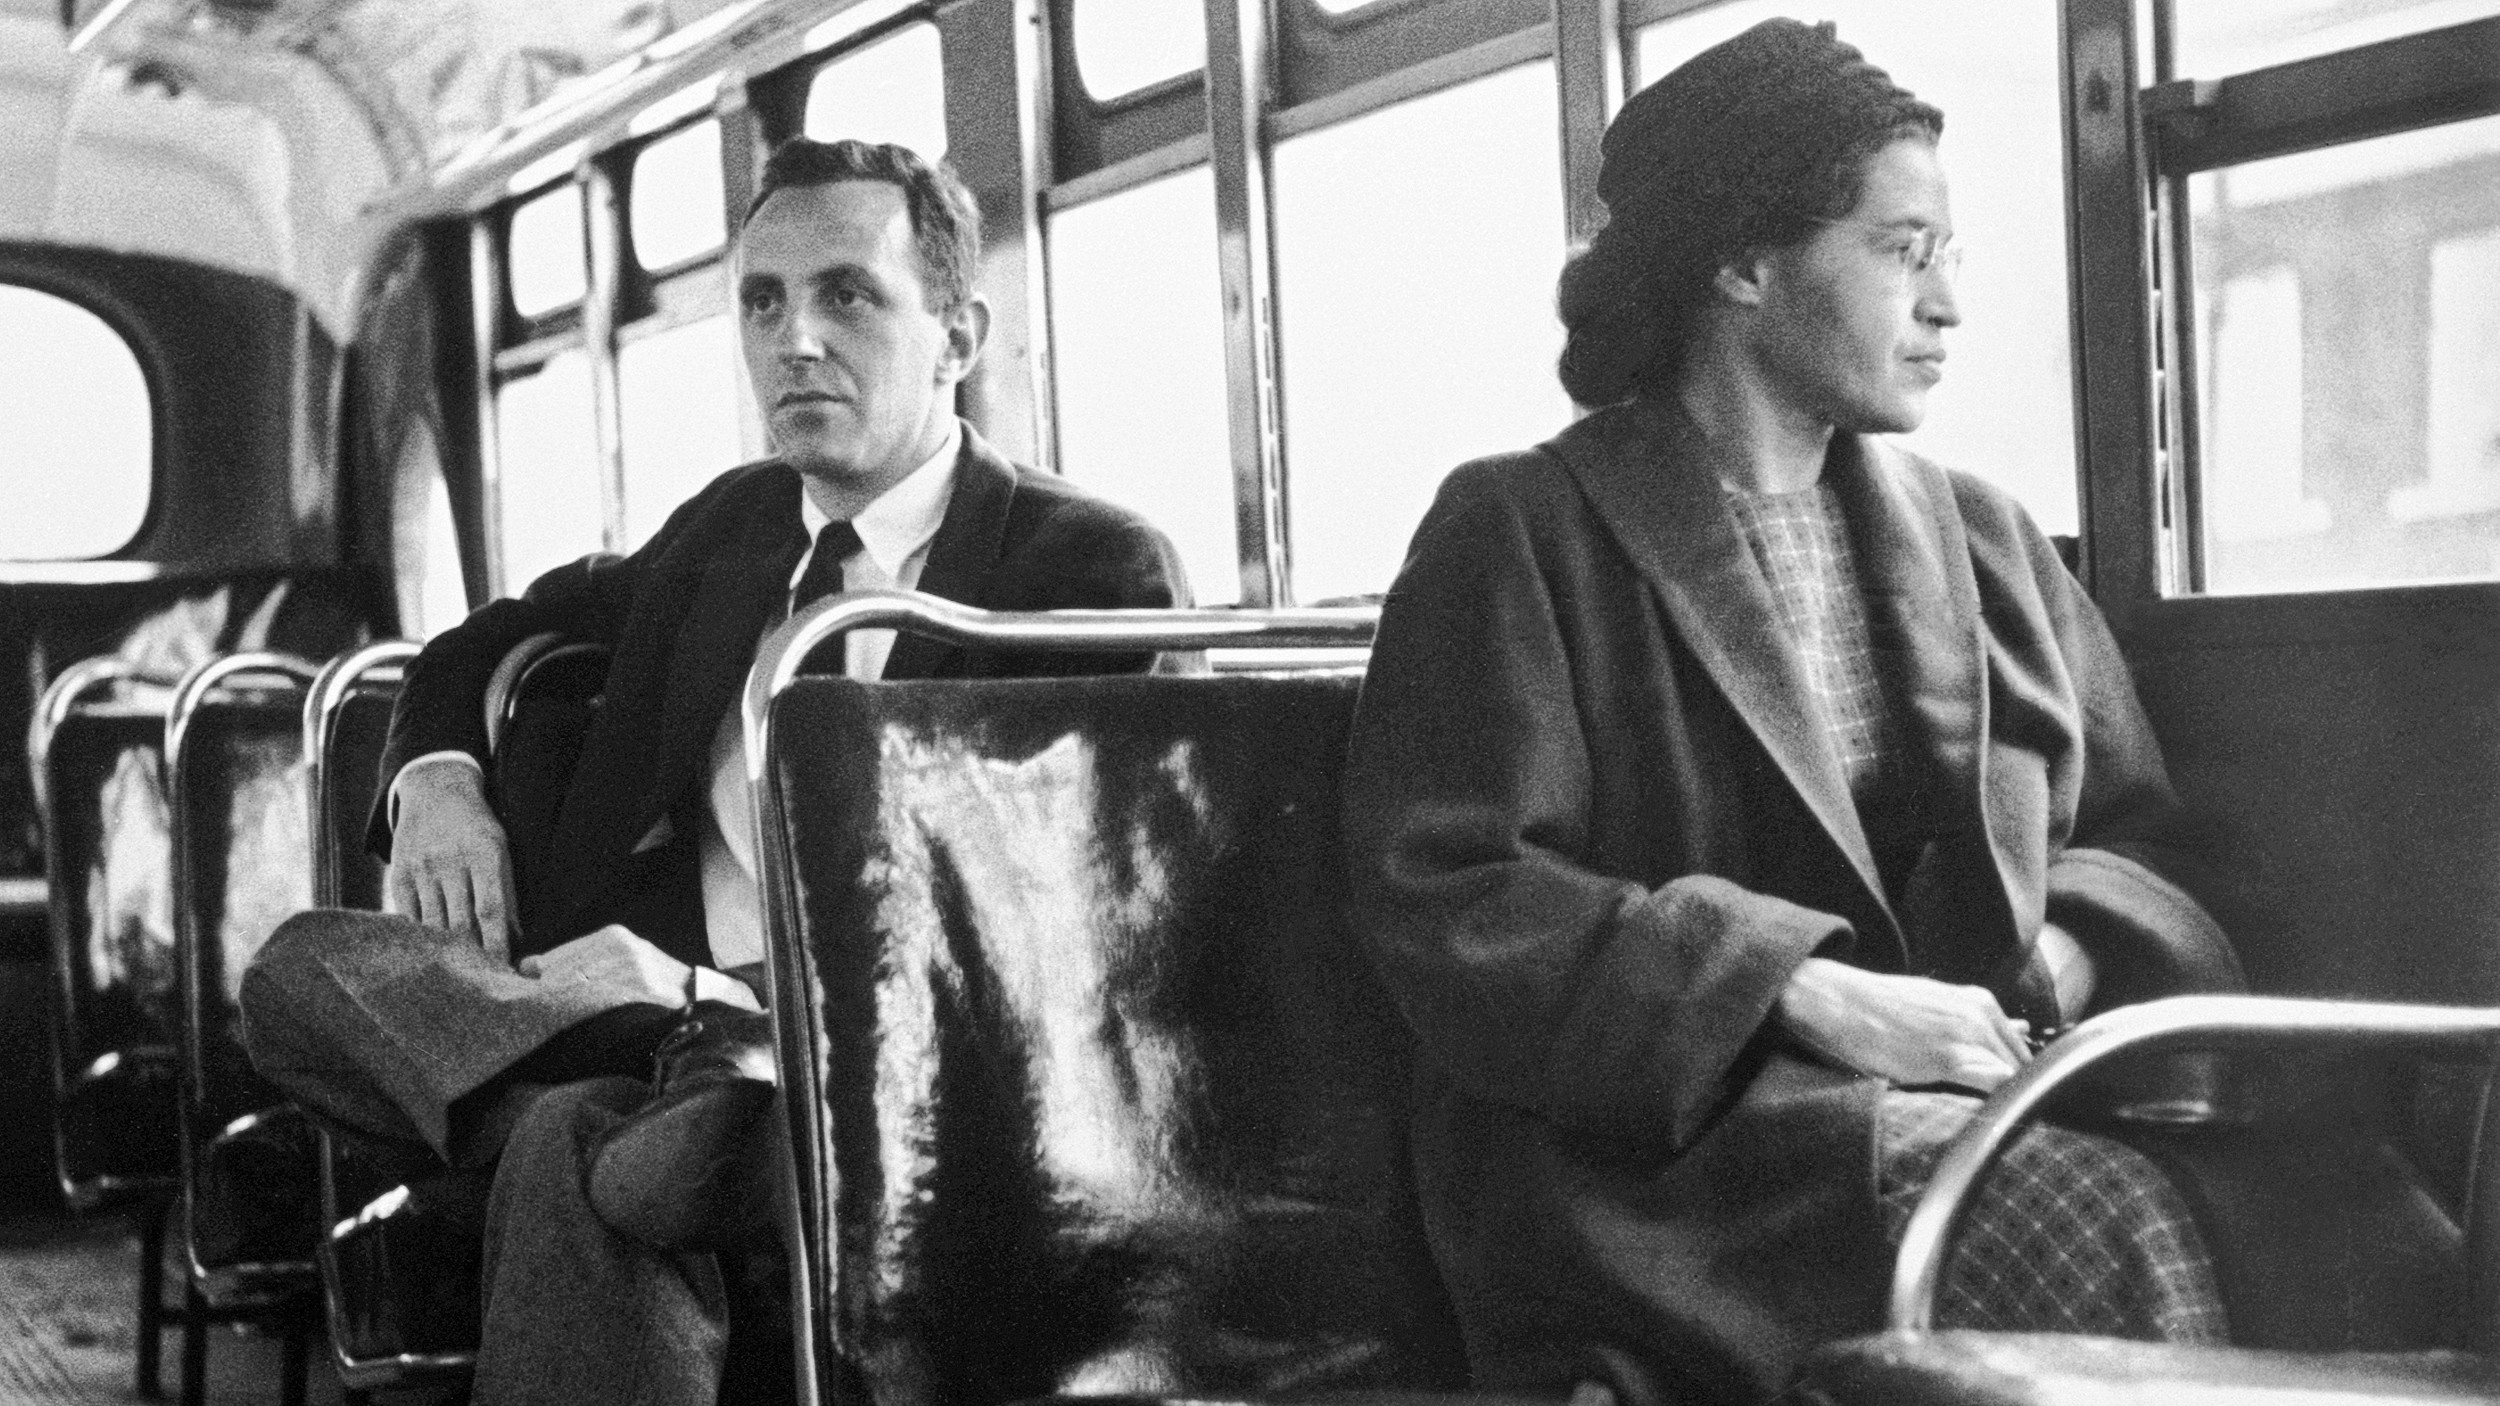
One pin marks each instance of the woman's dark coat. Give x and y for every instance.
(1594, 828)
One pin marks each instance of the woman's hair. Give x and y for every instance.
(1747, 146)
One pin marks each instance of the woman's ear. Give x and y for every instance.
(1741, 280)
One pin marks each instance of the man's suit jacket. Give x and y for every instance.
(683, 616)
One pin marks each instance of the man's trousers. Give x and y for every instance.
(386, 1028)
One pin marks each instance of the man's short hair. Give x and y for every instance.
(945, 218)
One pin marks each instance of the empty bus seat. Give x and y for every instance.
(398, 1250)
(1913, 1365)
(95, 751)
(235, 782)
(1091, 1089)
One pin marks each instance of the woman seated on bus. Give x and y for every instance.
(1734, 796)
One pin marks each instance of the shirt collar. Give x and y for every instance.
(903, 518)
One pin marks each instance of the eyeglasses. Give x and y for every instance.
(1920, 248)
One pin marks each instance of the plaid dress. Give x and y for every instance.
(2070, 1232)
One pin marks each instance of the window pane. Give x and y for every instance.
(2005, 409)
(2348, 346)
(550, 464)
(77, 437)
(545, 252)
(1416, 253)
(1138, 320)
(2218, 38)
(1125, 45)
(679, 390)
(676, 210)
(892, 91)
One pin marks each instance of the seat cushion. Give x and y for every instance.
(2048, 1369)
(402, 1272)
(253, 1202)
(116, 1132)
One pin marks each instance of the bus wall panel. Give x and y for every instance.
(2353, 763)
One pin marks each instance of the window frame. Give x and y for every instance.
(2133, 141)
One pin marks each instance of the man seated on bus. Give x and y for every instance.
(857, 317)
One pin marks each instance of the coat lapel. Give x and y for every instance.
(968, 545)
(680, 659)
(1931, 638)
(1632, 465)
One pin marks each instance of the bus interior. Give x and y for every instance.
(325, 321)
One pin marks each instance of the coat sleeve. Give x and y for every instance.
(441, 706)
(2127, 879)
(1529, 977)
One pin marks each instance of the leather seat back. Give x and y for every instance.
(1096, 1079)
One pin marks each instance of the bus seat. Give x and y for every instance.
(234, 782)
(93, 751)
(398, 1246)
(1090, 1088)
(1914, 1365)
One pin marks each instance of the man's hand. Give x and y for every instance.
(614, 959)
(451, 867)
(1910, 1030)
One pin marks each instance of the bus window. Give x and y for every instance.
(1138, 342)
(2005, 409)
(891, 91)
(548, 453)
(675, 212)
(77, 436)
(1416, 252)
(2221, 37)
(678, 396)
(2347, 348)
(1123, 46)
(545, 253)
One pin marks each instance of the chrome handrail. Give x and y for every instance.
(61, 698)
(384, 661)
(2178, 1023)
(784, 656)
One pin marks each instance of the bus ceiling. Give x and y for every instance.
(287, 138)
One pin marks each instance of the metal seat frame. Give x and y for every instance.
(273, 1293)
(149, 1201)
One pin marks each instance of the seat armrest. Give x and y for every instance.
(2178, 1023)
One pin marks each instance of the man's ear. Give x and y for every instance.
(967, 332)
(1743, 279)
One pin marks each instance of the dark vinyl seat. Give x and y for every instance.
(1091, 1090)
(1912, 1364)
(399, 1276)
(235, 785)
(95, 751)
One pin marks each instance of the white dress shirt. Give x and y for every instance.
(894, 532)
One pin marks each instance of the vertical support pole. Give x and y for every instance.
(1239, 85)
(2108, 207)
(990, 49)
(485, 318)
(603, 226)
(1588, 68)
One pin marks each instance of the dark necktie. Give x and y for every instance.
(835, 542)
